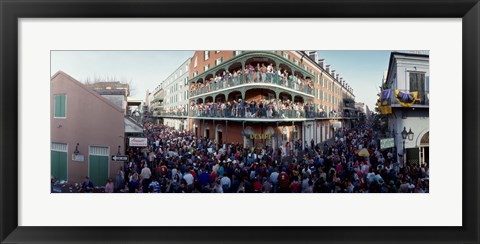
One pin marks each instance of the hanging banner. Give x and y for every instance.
(406, 99)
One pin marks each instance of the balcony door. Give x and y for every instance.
(417, 83)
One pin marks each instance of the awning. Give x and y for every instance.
(132, 127)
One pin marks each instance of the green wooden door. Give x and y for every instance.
(59, 165)
(98, 170)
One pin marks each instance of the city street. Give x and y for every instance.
(247, 122)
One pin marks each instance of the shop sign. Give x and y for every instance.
(260, 136)
(138, 142)
(387, 143)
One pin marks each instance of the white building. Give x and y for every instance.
(408, 73)
(175, 102)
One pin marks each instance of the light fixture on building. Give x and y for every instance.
(76, 149)
(118, 152)
(404, 133)
(410, 135)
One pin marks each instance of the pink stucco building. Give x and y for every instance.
(80, 116)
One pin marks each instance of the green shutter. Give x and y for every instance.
(59, 106)
(59, 165)
(98, 170)
(62, 105)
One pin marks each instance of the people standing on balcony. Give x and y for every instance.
(256, 74)
(270, 72)
(236, 74)
(223, 108)
(285, 78)
(263, 71)
(250, 70)
(240, 106)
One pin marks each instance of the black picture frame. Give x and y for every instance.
(11, 11)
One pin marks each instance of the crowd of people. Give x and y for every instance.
(269, 108)
(262, 72)
(178, 162)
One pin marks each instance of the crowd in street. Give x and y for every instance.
(262, 72)
(178, 162)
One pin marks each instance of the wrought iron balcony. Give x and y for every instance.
(231, 82)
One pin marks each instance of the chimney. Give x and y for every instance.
(338, 76)
(333, 73)
(327, 68)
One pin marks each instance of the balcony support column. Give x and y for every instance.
(215, 131)
(276, 135)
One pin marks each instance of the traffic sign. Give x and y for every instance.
(119, 157)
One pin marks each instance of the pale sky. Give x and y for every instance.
(146, 69)
(363, 70)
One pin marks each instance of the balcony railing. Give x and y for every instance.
(240, 80)
(179, 114)
(254, 114)
(261, 113)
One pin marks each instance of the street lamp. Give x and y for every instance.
(406, 135)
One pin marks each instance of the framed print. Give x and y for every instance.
(242, 91)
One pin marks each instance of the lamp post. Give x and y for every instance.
(406, 135)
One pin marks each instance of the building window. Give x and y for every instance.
(217, 51)
(218, 61)
(417, 83)
(195, 62)
(206, 67)
(195, 73)
(59, 106)
(206, 55)
(236, 53)
(295, 61)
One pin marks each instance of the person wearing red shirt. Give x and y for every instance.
(283, 182)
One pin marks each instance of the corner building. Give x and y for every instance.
(262, 98)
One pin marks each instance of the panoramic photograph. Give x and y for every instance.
(239, 121)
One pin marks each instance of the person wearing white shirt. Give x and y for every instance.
(274, 179)
(225, 182)
(188, 177)
(146, 172)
